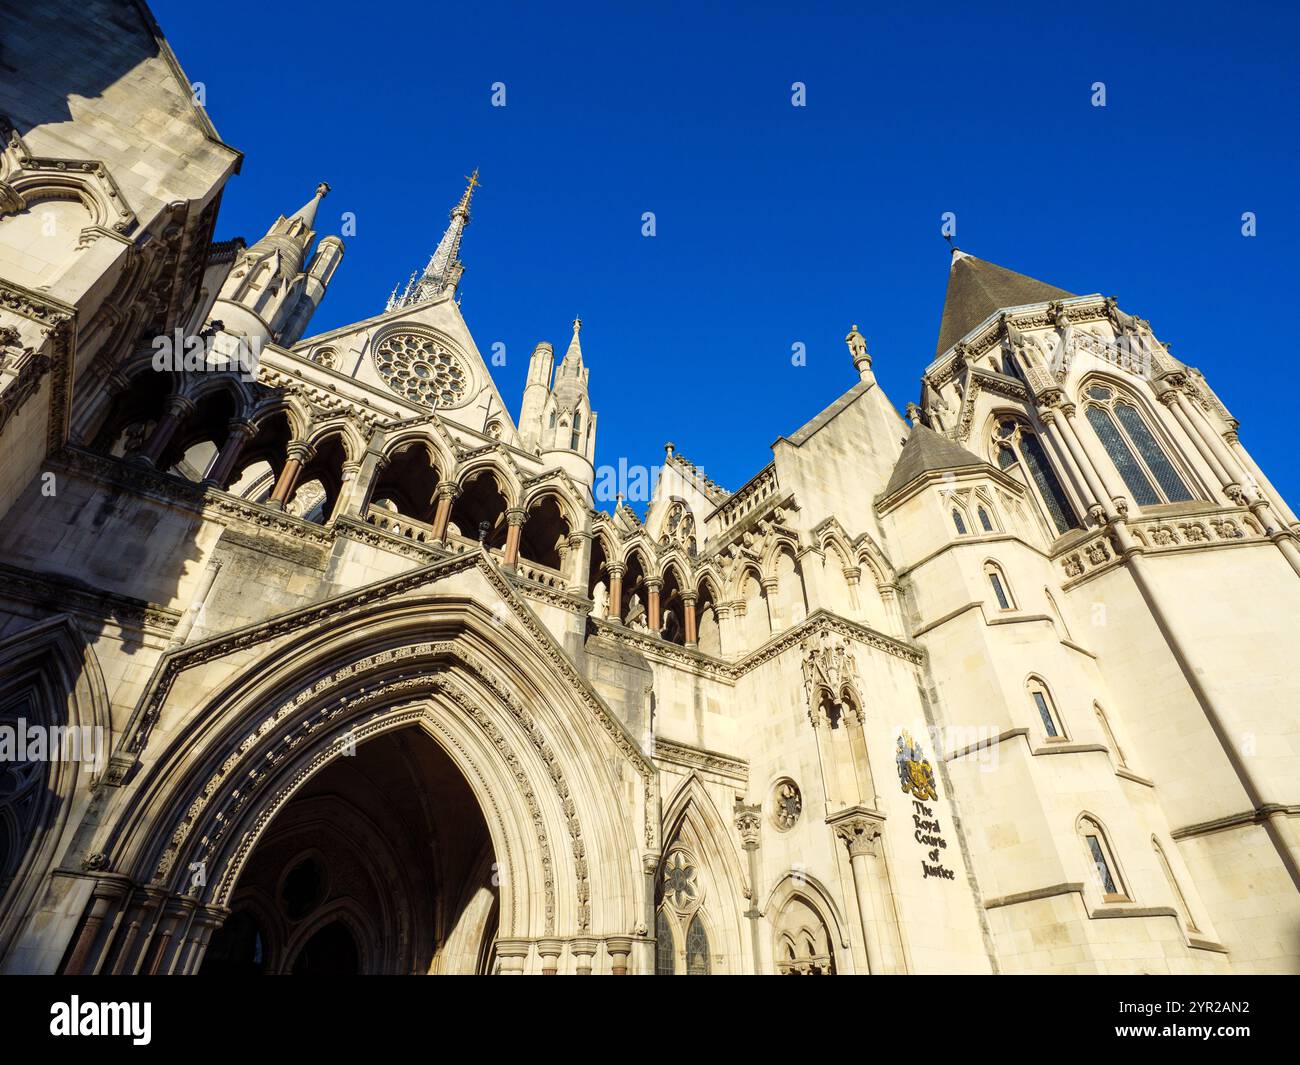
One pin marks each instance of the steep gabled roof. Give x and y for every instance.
(977, 289)
(927, 451)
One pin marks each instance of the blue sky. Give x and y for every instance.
(776, 225)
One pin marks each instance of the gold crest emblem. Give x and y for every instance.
(915, 773)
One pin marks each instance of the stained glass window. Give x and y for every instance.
(985, 522)
(956, 520)
(697, 948)
(1054, 497)
(1143, 464)
(1122, 456)
(1152, 454)
(665, 948)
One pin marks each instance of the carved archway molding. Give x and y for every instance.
(220, 810)
(359, 614)
(52, 663)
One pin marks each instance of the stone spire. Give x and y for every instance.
(445, 267)
(291, 237)
(573, 357)
(571, 378)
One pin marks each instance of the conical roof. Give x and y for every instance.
(927, 451)
(977, 289)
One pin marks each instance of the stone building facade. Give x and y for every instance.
(365, 679)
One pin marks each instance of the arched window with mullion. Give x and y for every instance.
(665, 946)
(1147, 471)
(1016, 446)
(697, 948)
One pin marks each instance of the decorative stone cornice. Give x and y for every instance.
(681, 754)
(61, 594)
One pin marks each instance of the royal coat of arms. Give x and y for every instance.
(915, 773)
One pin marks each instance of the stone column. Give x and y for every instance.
(583, 950)
(726, 631)
(774, 620)
(860, 831)
(1256, 477)
(515, 518)
(104, 897)
(749, 823)
(142, 916)
(358, 481)
(98, 412)
(513, 954)
(298, 455)
(206, 921)
(853, 579)
(1173, 399)
(175, 919)
(619, 947)
(893, 611)
(614, 608)
(447, 492)
(1110, 489)
(177, 409)
(550, 950)
(240, 433)
(688, 602)
(1060, 436)
(652, 620)
(577, 566)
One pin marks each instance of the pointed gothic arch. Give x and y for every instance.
(694, 828)
(531, 760)
(51, 679)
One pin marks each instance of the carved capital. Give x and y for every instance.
(860, 833)
(300, 450)
(749, 823)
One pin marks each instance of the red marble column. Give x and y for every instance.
(178, 408)
(298, 453)
(691, 636)
(515, 519)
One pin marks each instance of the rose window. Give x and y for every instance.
(420, 368)
(680, 884)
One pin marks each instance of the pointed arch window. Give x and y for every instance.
(986, 523)
(697, 948)
(1102, 860)
(998, 582)
(577, 430)
(1057, 615)
(957, 522)
(1141, 461)
(1104, 721)
(1041, 697)
(1181, 899)
(1016, 446)
(665, 946)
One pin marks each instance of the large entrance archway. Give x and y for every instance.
(429, 744)
(381, 863)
